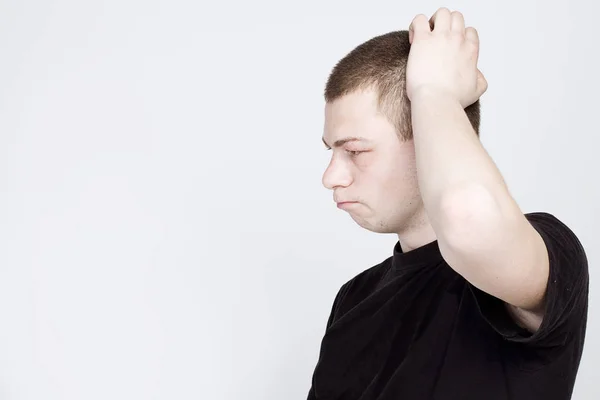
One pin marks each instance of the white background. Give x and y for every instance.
(163, 229)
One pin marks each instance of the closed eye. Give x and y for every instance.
(353, 153)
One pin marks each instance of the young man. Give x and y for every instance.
(479, 301)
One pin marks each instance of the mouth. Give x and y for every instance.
(345, 204)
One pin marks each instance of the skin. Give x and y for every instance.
(442, 185)
(378, 171)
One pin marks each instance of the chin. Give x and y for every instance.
(374, 226)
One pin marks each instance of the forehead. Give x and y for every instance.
(354, 114)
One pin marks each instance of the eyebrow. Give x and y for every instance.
(341, 142)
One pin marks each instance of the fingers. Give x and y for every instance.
(458, 22)
(419, 24)
(472, 35)
(441, 20)
(445, 20)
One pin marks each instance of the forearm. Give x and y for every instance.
(451, 161)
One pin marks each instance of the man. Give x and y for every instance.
(479, 301)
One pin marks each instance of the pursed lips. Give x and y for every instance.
(345, 203)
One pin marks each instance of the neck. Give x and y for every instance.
(417, 233)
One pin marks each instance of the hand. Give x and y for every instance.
(443, 57)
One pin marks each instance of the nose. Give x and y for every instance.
(336, 174)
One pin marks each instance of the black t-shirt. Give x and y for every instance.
(411, 328)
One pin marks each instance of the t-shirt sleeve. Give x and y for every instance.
(566, 302)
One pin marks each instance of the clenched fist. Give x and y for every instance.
(443, 57)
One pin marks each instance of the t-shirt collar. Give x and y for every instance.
(426, 254)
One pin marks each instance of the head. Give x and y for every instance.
(368, 128)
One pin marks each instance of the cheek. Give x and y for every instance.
(374, 164)
(387, 173)
(385, 179)
(398, 184)
(365, 162)
(381, 188)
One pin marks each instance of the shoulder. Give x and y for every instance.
(370, 275)
(362, 285)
